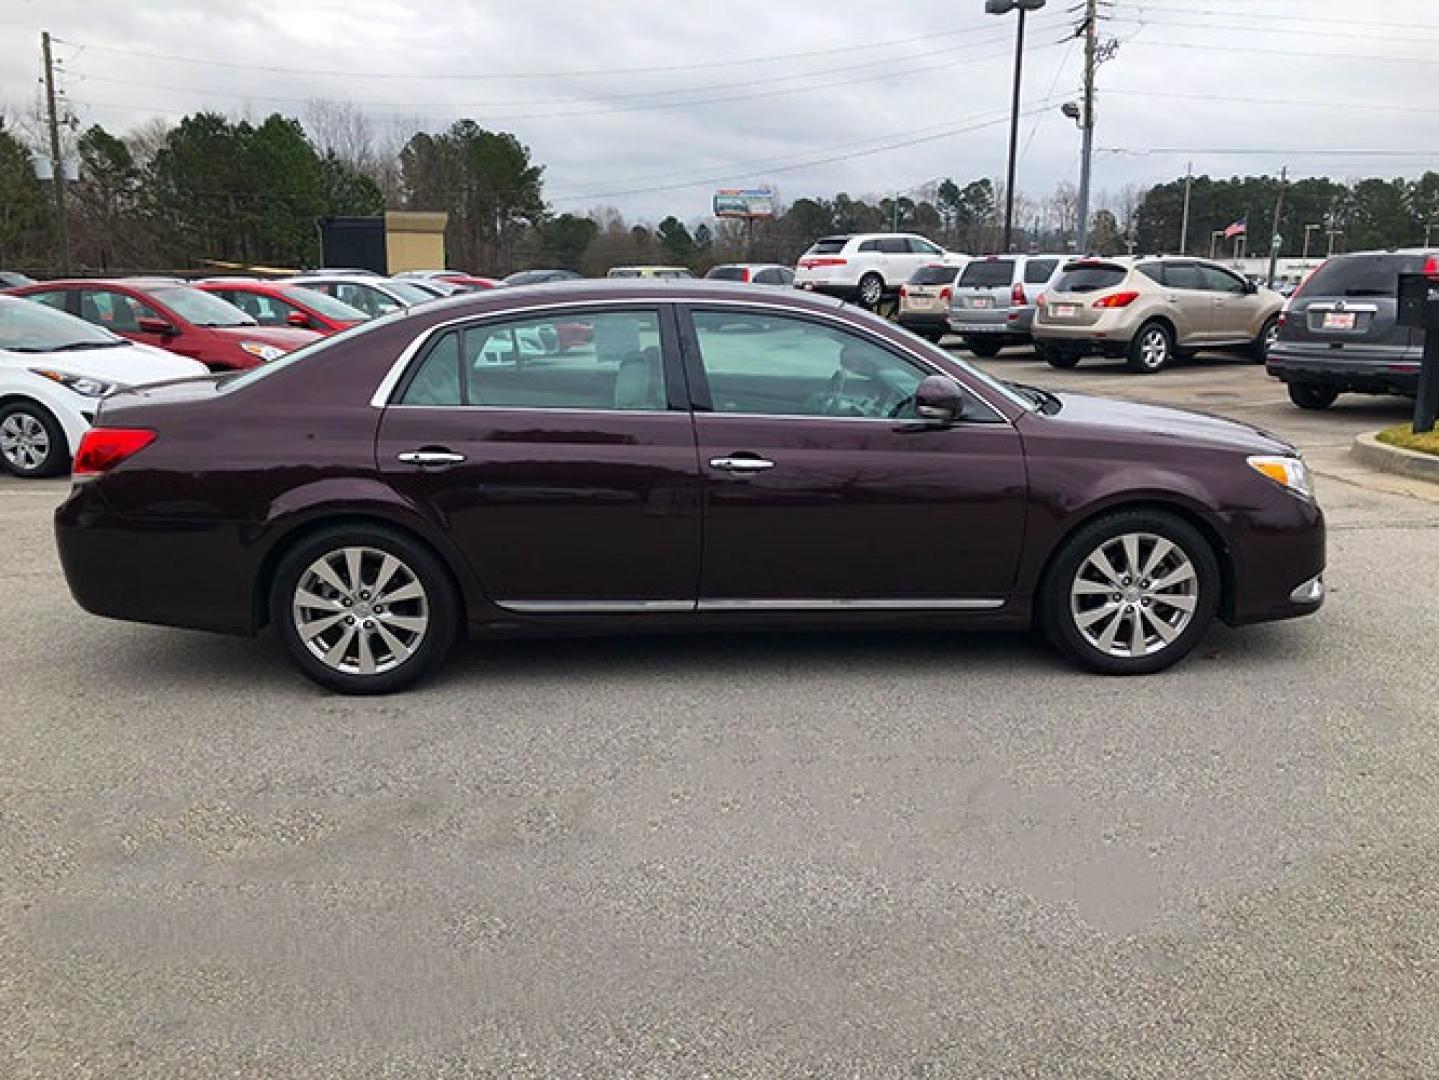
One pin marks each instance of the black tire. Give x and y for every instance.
(1059, 612)
(32, 442)
(1259, 350)
(871, 290)
(438, 607)
(1312, 395)
(1055, 358)
(1151, 349)
(980, 347)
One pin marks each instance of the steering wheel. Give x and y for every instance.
(894, 412)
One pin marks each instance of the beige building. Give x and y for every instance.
(415, 240)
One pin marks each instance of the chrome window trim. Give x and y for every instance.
(634, 607)
(386, 387)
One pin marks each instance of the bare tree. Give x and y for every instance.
(146, 138)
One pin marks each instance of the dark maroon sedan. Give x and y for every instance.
(709, 458)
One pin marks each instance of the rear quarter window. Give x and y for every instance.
(1090, 277)
(988, 273)
(1362, 275)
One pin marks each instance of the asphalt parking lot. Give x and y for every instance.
(871, 855)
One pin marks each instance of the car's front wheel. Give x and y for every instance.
(1130, 593)
(32, 442)
(1311, 396)
(364, 609)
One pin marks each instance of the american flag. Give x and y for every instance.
(1239, 228)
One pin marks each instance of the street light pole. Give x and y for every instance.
(1003, 7)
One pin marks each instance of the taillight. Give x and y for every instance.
(1118, 299)
(945, 293)
(744, 274)
(1039, 300)
(101, 449)
(903, 292)
(1016, 295)
(1431, 266)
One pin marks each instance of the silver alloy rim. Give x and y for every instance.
(871, 292)
(1153, 348)
(1134, 595)
(360, 611)
(1271, 335)
(24, 441)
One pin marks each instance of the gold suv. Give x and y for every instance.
(1150, 311)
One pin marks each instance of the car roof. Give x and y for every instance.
(359, 279)
(658, 289)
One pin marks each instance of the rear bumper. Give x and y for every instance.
(923, 320)
(1374, 375)
(190, 575)
(1009, 324)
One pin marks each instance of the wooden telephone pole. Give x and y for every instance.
(57, 179)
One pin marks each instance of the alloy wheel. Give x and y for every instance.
(1271, 335)
(871, 290)
(1134, 595)
(1153, 348)
(24, 442)
(360, 610)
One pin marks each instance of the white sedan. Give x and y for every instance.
(54, 369)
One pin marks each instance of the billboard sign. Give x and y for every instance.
(744, 203)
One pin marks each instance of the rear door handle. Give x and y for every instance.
(430, 457)
(737, 463)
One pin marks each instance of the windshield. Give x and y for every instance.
(201, 308)
(1362, 275)
(30, 327)
(325, 304)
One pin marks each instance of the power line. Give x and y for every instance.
(1236, 49)
(1308, 32)
(1272, 101)
(493, 76)
(1303, 151)
(1306, 18)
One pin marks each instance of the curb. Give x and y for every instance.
(1369, 451)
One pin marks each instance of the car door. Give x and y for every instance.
(1188, 302)
(1237, 311)
(569, 479)
(823, 492)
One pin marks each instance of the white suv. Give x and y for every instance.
(864, 266)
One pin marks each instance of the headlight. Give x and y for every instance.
(83, 385)
(263, 351)
(1288, 471)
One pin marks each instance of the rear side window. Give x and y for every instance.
(437, 380)
(1038, 271)
(726, 273)
(988, 273)
(934, 275)
(1362, 275)
(869, 245)
(829, 245)
(894, 245)
(1089, 277)
(1153, 271)
(1183, 276)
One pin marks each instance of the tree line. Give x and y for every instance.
(216, 189)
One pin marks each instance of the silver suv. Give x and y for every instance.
(994, 299)
(1151, 310)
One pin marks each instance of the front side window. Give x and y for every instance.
(869, 245)
(1183, 276)
(1217, 280)
(55, 298)
(114, 310)
(584, 360)
(760, 363)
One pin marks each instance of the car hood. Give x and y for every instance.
(281, 337)
(1092, 417)
(130, 365)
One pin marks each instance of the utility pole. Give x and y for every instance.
(1274, 233)
(62, 227)
(1184, 223)
(1091, 30)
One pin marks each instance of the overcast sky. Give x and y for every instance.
(648, 105)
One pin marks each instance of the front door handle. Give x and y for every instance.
(430, 457)
(738, 463)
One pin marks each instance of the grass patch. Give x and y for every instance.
(1402, 435)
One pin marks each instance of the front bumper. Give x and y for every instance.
(1277, 572)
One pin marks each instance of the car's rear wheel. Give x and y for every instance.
(1268, 334)
(32, 442)
(1312, 396)
(871, 290)
(1151, 349)
(980, 347)
(1130, 593)
(364, 609)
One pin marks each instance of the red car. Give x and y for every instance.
(275, 304)
(173, 315)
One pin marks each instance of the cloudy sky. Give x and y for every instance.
(648, 105)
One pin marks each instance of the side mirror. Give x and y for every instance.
(1251, 287)
(148, 324)
(298, 319)
(939, 400)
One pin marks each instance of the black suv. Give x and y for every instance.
(1339, 332)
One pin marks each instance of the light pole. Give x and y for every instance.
(1004, 7)
(1214, 238)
